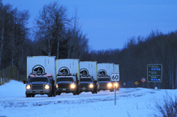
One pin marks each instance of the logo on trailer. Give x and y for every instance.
(102, 72)
(38, 69)
(63, 71)
(84, 72)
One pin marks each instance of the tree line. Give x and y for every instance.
(55, 34)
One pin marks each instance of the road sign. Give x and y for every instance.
(154, 73)
(115, 77)
(143, 80)
(136, 83)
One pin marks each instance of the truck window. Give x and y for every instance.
(36, 79)
(65, 79)
(85, 80)
(103, 79)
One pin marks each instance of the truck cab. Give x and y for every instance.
(88, 84)
(67, 84)
(105, 83)
(40, 84)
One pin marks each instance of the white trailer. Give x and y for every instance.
(67, 66)
(105, 69)
(116, 68)
(41, 64)
(88, 68)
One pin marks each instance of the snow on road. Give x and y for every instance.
(130, 102)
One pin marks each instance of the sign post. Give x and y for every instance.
(115, 77)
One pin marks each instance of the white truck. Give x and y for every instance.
(40, 76)
(88, 76)
(104, 72)
(68, 74)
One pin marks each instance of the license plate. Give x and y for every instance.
(83, 88)
(64, 89)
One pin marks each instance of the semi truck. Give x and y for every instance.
(88, 76)
(68, 74)
(104, 72)
(40, 76)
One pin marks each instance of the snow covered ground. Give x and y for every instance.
(130, 102)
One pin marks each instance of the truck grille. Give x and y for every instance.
(63, 85)
(84, 85)
(103, 84)
(37, 87)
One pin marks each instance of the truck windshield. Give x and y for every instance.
(64, 79)
(85, 80)
(36, 79)
(103, 79)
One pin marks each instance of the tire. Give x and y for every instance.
(54, 93)
(33, 95)
(74, 93)
(50, 94)
(28, 95)
(111, 90)
(59, 93)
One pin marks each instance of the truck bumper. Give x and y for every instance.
(38, 92)
(86, 89)
(66, 90)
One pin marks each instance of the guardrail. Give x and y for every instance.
(11, 72)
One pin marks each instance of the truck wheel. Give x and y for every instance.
(54, 94)
(28, 95)
(111, 90)
(74, 93)
(33, 95)
(59, 93)
(50, 94)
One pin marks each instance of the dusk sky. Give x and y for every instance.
(110, 23)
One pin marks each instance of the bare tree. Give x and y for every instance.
(50, 27)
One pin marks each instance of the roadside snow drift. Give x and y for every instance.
(130, 102)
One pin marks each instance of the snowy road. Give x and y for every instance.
(133, 102)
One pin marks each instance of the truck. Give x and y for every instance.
(68, 74)
(88, 76)
(40, 76)
(104, 72)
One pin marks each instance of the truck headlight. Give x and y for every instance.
(47, 86)
(72, 86)
(109, 85)
(28, 86)
(116, 84)
(56, 85)
(91, 86)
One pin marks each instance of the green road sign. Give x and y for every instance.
(154, 72)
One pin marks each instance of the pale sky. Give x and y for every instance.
(110, 23)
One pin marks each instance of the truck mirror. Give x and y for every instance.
(78, 81)
(25, 82)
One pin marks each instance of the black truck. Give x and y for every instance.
(40, 84)
(67, 84)
(88, 84)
